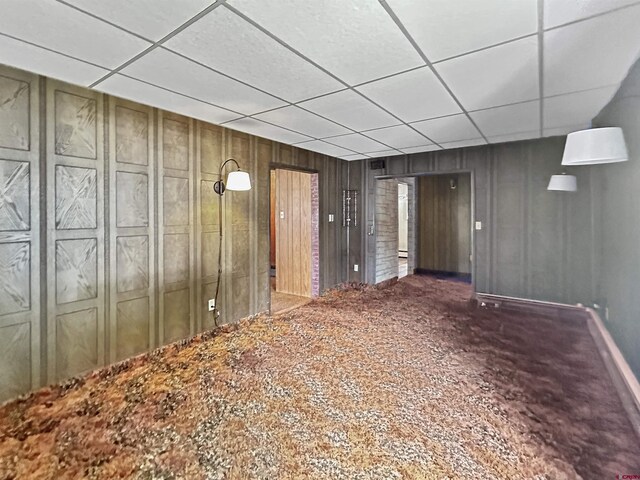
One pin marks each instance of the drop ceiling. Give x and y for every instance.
(348, 78)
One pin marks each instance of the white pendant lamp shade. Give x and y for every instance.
(594, 146)
(238, 181)
(563, 183)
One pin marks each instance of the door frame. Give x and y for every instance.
(315, 212)
(416, 214)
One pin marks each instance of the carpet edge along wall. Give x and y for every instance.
(109, 226)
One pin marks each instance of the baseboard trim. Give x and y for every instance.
(623, 378)
(621, 374)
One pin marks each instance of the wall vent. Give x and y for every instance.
(376, 165)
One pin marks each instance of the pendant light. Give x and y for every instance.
(595, 146)
(563, 183)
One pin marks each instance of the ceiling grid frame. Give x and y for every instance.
(415, 45)
(286, 45)
(157, 44)
(572, 18)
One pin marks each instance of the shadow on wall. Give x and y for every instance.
(618, 222)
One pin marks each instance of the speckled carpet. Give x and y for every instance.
(404, 382)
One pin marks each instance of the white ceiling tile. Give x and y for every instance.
(226, 42)
(513, 137)
(553, 132)
(357, 142)
(412, 96)
(575, 108)
(521, 117)
(302, 121)
(171, 71)
(44, 62)
(448, 129)
(444, 28)
(590, 54)
(464, 143)
(423, 148)
(351, 110)
(400, 136)
(355, 40)
(561, 12)
(131, 89)
(153, 19)
(61, 28)
(325, 148)
(496, 76)
(357, 156)
(384, 153)
(261, 129)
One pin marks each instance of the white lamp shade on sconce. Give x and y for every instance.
(595, 146)
(238, 181)
(563, 183)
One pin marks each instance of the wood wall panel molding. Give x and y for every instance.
(133, 327)
(15, 204)
(116, 185)
(76, 124)
(76, 198)
(75, 230)
(210, 149)
(15, 97)
(20, 324)
(177, 267)
(15, 372)
(78, 342)
(133, 128)
(131, 224)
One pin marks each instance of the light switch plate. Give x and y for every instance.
(331, 217)
(355, 267)
(478, 225)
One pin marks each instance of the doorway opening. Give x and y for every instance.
(444, 226)
(403, 229)
(294, 238)
(395, 227)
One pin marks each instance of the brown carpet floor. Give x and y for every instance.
(405, 382)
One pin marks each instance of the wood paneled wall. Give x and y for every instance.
(20, 233)
(109, 228)
(444, 223)
(532, 243)
(293, 232)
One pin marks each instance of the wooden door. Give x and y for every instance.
(293, 232)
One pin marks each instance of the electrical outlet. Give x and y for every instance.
(355, 267)
(282, 215)
(331, 217)
(212, 304)
(478, 225)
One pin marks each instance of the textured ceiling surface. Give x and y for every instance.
(348, 78)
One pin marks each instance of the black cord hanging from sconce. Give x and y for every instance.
(239, 181)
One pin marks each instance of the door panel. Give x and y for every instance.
(293, 232)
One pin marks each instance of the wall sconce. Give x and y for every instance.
(563, 183)
(237, 180)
